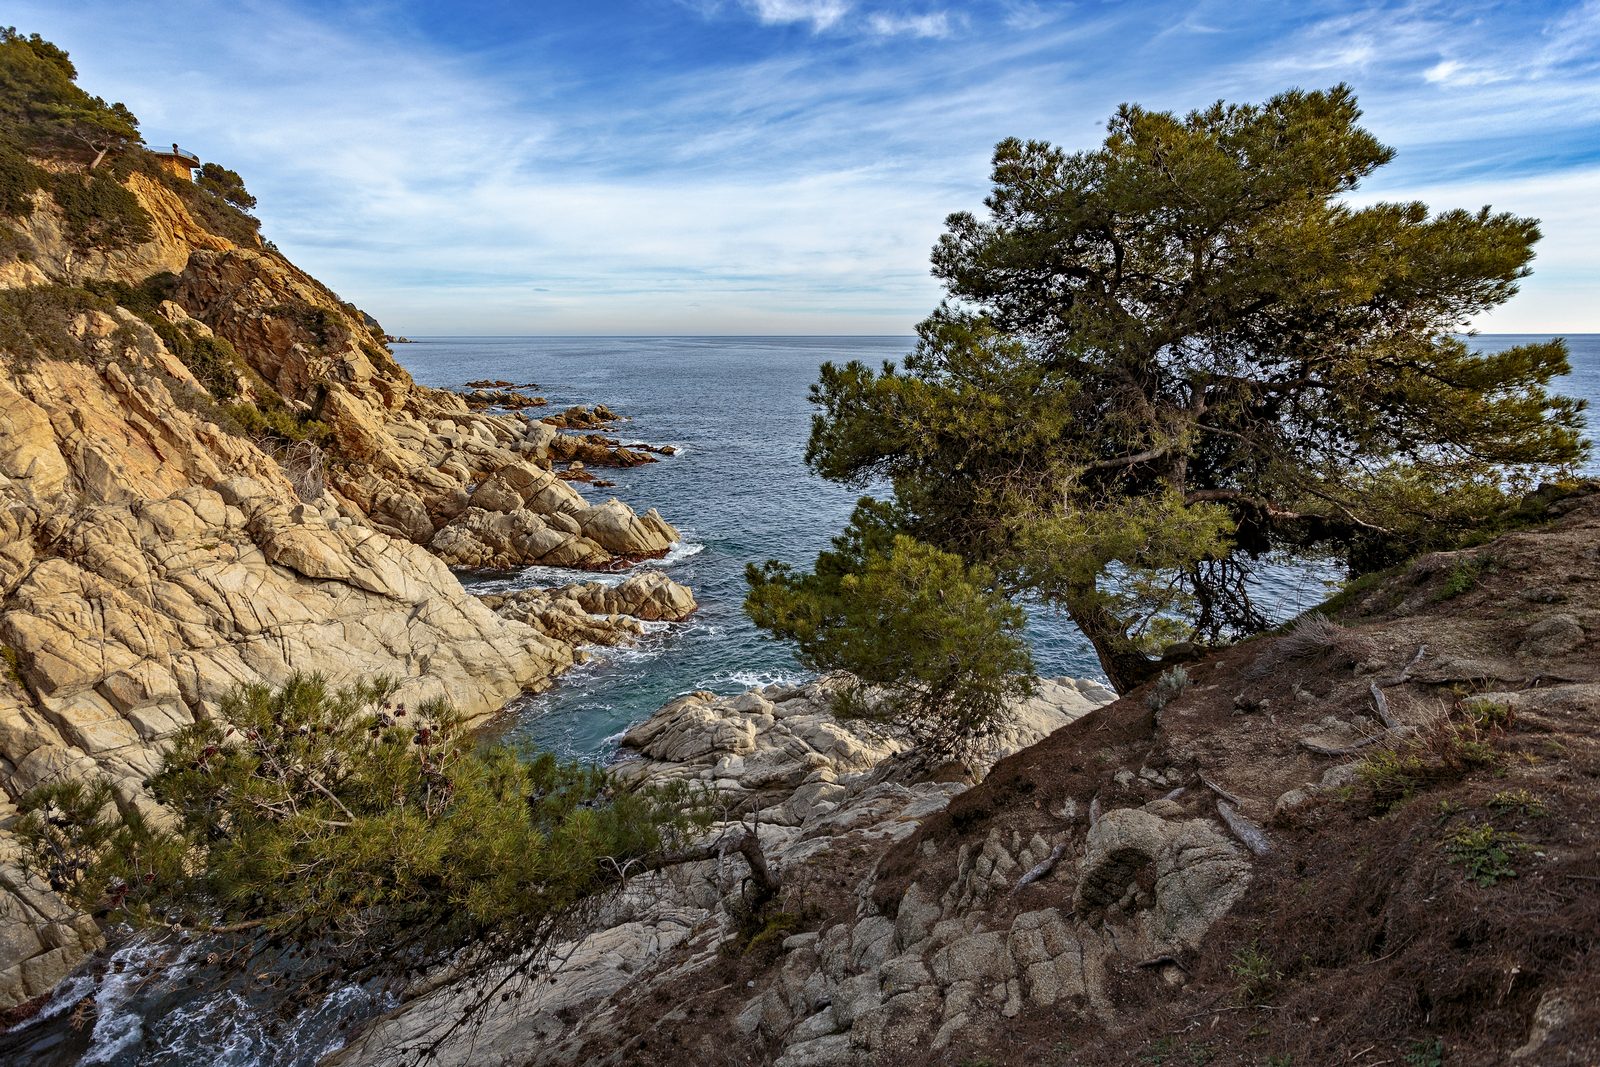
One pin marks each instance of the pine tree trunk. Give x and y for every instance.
(1126, 667)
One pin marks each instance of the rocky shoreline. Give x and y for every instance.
(1201, 873)
(814, 788)
(218, 474)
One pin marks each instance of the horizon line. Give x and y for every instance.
(513, 336)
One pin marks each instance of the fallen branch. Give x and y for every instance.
(1422, 650)
(1381, 704)
(1253, 837)
(1042, 868)
(1221, 792)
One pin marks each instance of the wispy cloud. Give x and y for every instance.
(821, 14)
(785, 165)
(931, 24)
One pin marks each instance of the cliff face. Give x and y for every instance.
(212, 471)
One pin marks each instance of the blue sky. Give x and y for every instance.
(784, 166)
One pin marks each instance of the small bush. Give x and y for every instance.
(1520, 801)
(1312, 636)
(1444, 750)
(1487, 715)
(1465, 576)
(35, 324)
(19, 179)
(763, 936)
(1425, 1053)
(271, 422)
(1486, 855)
(1166, 689)
(386, 836)
(98, 213)
(1257, 973)
(11, 665)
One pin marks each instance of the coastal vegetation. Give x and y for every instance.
(1161, 365)
(381, 834)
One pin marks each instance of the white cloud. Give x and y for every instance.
(821, 14)
(934, 24)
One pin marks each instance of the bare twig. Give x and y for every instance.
(1221, 792)
(1381, 704)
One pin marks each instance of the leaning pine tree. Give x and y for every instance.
(1159, 362)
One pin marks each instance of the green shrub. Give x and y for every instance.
(1425, 1053)
(11, 665)
(98, 212)
(1485, 854)
(1465, 576)
(382, 834)
(1444, 750)
(35, 323)
(1257, 973)
(19, 178)
(273, 422)
(1521, 801)
(1487, 715)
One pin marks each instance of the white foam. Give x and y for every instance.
(753, 679)
(542, 577)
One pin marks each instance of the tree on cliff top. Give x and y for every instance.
(42, 106)
(1161, 361)
(219, 180)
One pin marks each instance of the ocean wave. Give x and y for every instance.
(679, 552)
(752, 679)
(540, 576)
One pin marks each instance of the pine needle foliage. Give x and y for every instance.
(1168, 359)
(929, 631)
(336, 818)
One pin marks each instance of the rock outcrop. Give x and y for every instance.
(814, 786)
(165, 534)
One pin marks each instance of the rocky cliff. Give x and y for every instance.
(213, 471)
(1373, 837)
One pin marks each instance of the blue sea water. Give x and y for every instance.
(740, 492)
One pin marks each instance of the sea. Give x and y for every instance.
(736, 409)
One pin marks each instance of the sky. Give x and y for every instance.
(785, 166)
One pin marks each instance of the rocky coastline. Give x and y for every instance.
(1107, 892)
(814, 788)
(159, 545)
